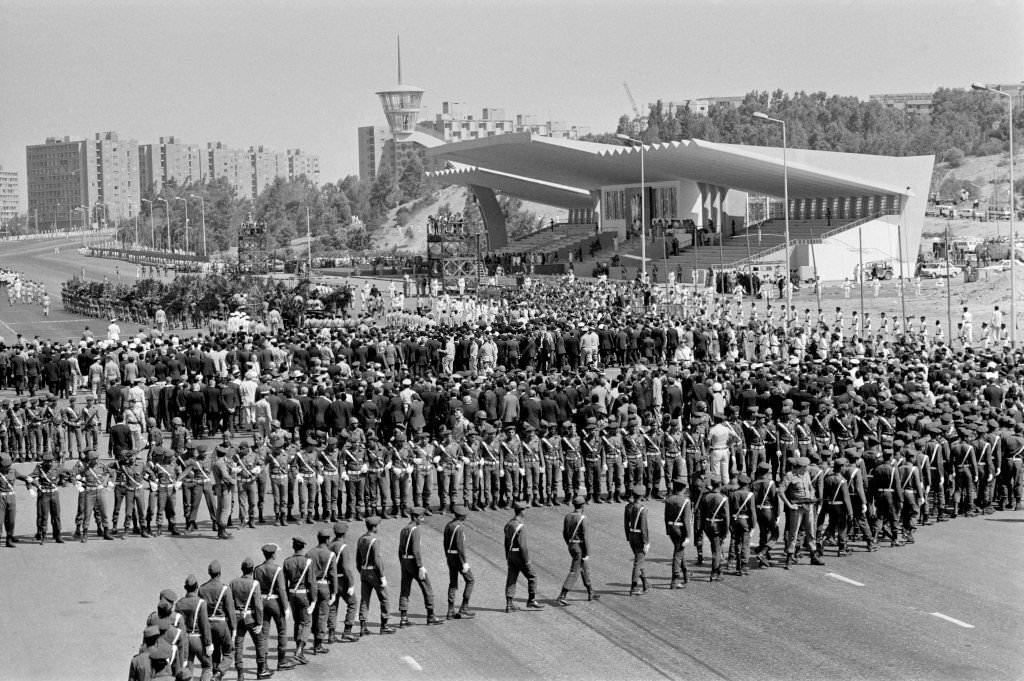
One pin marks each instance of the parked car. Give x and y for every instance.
(938, 271)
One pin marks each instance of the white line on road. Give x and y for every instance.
(413, 664)
(955, 621)
(843, 579)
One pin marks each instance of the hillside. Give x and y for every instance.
(979, 174)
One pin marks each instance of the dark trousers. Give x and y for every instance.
(517, 566)
(132, 499)
(370, 583)
(678, 537)
(577, 568)
(48, 510)
(454, 570)
(592, 473)
(410, 573)
(321, 612)
(8, 510)
(351, 605)
(196, 495)
(273, 612)
(241, 629)
(639, 573)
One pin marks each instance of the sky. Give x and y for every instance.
(303, 74)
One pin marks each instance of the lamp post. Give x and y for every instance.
(1013, 217)
(760, 115)
(643, 206)
(185, 201)
(202, 213)
(71, 212)
(167, 212)
(152, 227)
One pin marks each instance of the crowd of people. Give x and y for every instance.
(747, 423)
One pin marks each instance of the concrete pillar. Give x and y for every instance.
(720, 208)
(494, 218)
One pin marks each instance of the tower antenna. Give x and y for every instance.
(399, 41)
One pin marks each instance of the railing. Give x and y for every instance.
(760, 255)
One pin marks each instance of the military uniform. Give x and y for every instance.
(370, 564)
(245, 592)
(198, 636)
(410, 559)
(713, 519)
(8, 503)
(47, 480)
(574, 533)
(741, 514)
(348, 577)
(634, 524)
(325, 589)
(274, 597)
(301, 585)
(517, 556)
(91, 478)
(220, 611)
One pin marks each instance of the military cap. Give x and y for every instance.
(247, 564)
(459, 511)
(639, 490)
(519, 506)
(743, 479)
(152, 631)
(578, 501)
(802, 461)
(160, 653)
(298, 542)
(372, 521)
(48, 456)
(244, 446)
(269, 549)
(528, 428)
(509, 426)
(214, 568)
(191, 583)
(201, 450)
(340, 527)
(323, 534)
(417, 510)
(841, 461)
(168, 595)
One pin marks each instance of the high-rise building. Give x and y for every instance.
(57, 176)
(371, 147)
(8, 195)
(171, 160)
(302, 164)
(234, 165)
(919, 103)
(115, 182)
(267, 165)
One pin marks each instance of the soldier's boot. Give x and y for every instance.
(78, 532)
(347, 636)
(700, 557)
(816, 560)
(83, 535)
(464, 612)
(291, 516)
(403, 511)
(300, 653)
(510, 606)
(363, 629)
(173, 530)
(591, 596)
(426, 508)
(262, 522)
(451, 611)
(451, 507)
(643, 582)
(533, 604)
(554, 499)
(432, 619)
(252, 523)
(403, 619)
(386, 628)
(319, 648)
(11, 544)
(562, 600)
(240, 674)
(675, 584)
(263, 673)
(283, 662)
(493, 505)
(309, 517)
(789, 559)
(394, 510)
(107, 535)
(686, 576)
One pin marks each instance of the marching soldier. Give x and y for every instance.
(712, 517)
(551, 453)
(913, 493)
(594, 466)
(401, 475)
(741, 514)
(517, 555)
(304, 466)
(458, 564)
(377, 488)
(423, 461)
(886, 494)
(531, 466)
(329, 489)
(274, 598)
(612, 456)
(634, 523)
(277, 464)
(249, 470)
(47, 480)
(371, 576)
(838, 509)
(797, 495)
(300, 583)
(472, 472)
(410, 559)
(224, 478)
(510, 447)
(194, 617)
(965, 466)
(572, 462)
(220, 611)
(325, 590)
(199, 472)
(172, 629)
(766, 512)
(345, 568)
(245, 592)
(633, 449)
(678, 527)
(853, 473)
(574, 532)
(261, 452)
(492, 469)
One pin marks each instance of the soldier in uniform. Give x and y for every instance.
(325, 590)
(274, 598)
(712, 517)
(614, 463)
(130, 487)
(199, 640)
(8, 504)
(754, 436)
(1011, 471)
(668, 440)
(965, 466)
(220, 611)
(304, 465)
(572, 463)
(377, 488)
(224, 479)
(766, 512)
(592, 451)
(633, 449)
(197, 486)
(329, 488)
(492, 470)
(446, 453)
(92, 478)
(574, 532)
(531, 466)
(172, 630)
(401, 475)
(47, 480)
(345, 569)
(410, 559)
(838, 509)
(517, 555)
(370, 564)
(886, 494)
(423, 461)
(277, 464)
(551, 454)
(856, 484)
(913, 492)
(248, 602)
(741, 514)
(300, 584)
(634, 524)
(261, 451)
(454, 540)
(678, 527)
(249, 469)
(797, 494)
(935, 479)
(510, 447)
(472, 472)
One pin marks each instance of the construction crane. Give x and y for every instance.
(639, 122)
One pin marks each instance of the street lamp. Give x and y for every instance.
(152, 227)
(1013, 216)
(202, 209)
(643, 206)
(71, 212)
(760, 115)
(185, 201)
(167, 212)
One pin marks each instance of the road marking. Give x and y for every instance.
(955, 621)
(413, 664)
(843, 579)
(9, 328)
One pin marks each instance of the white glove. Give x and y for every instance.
(388, 466)
(311, 608)
(256, 470)
(522, 471)
(423, 573)
(351, 590)
(209, 649)
(647, 547)
(258, 629)
(417, 460)
(465, 568)
(364, 468)
(586, 557)
(383, 581)
(436, 459)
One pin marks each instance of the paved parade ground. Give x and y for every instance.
(950, 606)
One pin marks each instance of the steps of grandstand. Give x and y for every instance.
(735, 252)
(549, 240)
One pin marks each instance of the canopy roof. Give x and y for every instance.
(567, 170)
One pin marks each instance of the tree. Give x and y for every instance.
(411, 179)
